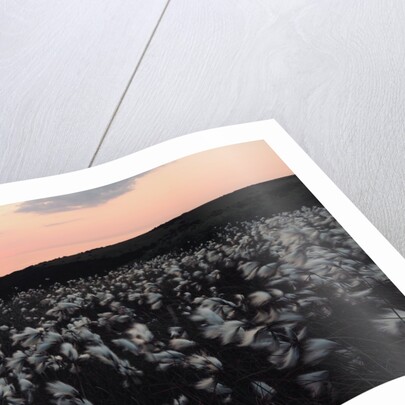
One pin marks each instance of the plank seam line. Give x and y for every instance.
(128, 85)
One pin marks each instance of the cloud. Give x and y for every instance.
(76, 201)
(60, 223)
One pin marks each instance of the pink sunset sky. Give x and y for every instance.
(41, 230)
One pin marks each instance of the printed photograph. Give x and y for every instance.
(215, 279)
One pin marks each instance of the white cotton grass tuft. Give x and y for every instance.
(127, 345)
(28, 337)
(59, 389)
(104, 354)
(65, 394)
(208, 316)
(181, 344)
(259, 298)
(203, 362)
(49, 340)
(263, 390)
(69, 351)
(140, 334)
(181, 400)
(210, 385)
(16, 362)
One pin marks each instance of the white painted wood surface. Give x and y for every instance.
(63, 67)
(330, 71)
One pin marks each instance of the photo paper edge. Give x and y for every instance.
(375, 245)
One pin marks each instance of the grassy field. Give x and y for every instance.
(272, 305)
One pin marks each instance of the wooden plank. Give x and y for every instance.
(63, 68)
(330, 72)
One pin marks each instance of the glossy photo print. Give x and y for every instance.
(217, 278)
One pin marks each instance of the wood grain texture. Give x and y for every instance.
(63, 68)
(330, 71)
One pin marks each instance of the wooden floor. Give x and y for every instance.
(84, 82)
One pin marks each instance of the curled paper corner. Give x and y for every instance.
(391, 392)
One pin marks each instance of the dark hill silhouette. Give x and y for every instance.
(187, 230)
